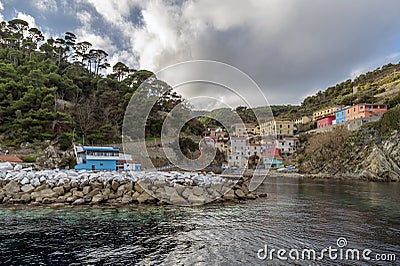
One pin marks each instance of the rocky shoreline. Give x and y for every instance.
(325, 176)
(87, 188)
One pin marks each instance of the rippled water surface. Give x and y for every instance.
(297, 214)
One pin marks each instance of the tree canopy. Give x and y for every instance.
(56, 89)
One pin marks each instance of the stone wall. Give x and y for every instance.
(83, 187)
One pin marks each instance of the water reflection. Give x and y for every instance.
(297, 214)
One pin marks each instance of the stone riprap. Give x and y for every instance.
(86, 187)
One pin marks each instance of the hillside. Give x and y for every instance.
(379, 86)
(371, 153)
(55, 90)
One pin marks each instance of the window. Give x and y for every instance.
(101, 164)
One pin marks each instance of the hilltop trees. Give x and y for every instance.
(51, 88)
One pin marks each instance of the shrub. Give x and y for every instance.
(65, 141)
(390, 121)
(28, 158)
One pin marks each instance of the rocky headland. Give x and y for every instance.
(370, 154)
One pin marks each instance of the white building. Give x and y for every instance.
(288, 145)
(253, 149)
(241, 150)
(237, 159)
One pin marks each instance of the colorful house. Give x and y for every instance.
(288, 145)
(272, 158)
(103, 158)
(326, 121)
(329, 111)
(365, 110)
(341, 115)
(280, 127)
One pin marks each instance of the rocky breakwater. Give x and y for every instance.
(84, 187)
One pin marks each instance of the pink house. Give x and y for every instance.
(326, 121)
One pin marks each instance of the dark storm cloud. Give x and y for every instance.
(290, 48)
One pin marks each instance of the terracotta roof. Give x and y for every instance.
(11, 159)
(273, 156)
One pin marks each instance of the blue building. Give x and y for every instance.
(103, 158)
(341, 116)
(272, 158)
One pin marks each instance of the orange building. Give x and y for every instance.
(365, 110)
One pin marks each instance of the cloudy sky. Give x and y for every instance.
(291, 48)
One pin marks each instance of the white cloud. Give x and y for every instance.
(98, 41)
(46, 5)
(1, 9)
(286, 46)
(163, 39)
(84, 17)
(28, 18)
(86, 33)
(114, 11)
(290, 48)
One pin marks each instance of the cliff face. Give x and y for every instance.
(383, 163)
(361, 155)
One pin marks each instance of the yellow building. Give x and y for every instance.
(242, 129)
(303, 120)
(280, 127)
(222, 147)
(255, 130)
(325, 112)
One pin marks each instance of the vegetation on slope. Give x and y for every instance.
(342, 152)
(369, 87)
(55, 90)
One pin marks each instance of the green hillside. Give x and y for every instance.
(54, 90)
(379, 86)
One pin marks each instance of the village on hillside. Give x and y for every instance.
(266, 145)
